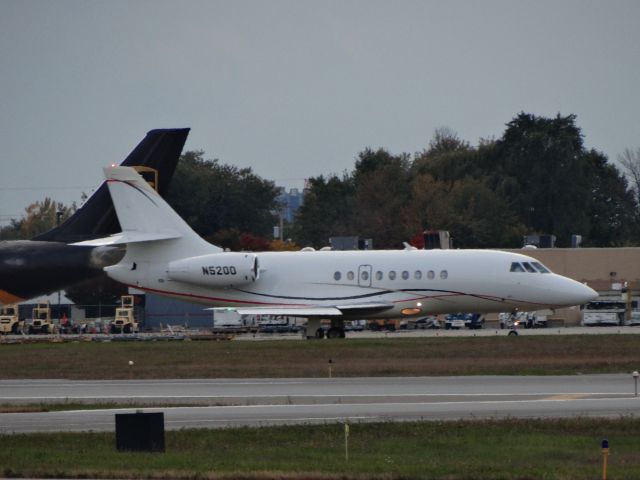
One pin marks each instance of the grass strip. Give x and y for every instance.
(484, 450)
(499, 355)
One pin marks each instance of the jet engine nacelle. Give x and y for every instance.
(217, 270)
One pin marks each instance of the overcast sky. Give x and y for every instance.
(296, 89)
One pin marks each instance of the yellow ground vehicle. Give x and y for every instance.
(9, 320)
(40, 321)
(125, 321)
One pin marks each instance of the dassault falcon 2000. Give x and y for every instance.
(165, 256)
(29, 268)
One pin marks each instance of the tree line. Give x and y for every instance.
(538, 177)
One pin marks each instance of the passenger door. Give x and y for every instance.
(364, 275)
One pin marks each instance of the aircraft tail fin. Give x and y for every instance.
(159, 151)
(145, 217)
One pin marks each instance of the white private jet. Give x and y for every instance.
(165, 256)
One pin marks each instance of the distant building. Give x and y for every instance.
(350, 243)
(290, 201)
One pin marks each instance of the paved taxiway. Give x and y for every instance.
(288, 401)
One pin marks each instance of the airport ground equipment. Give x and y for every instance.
(40, 321)
(125, 321)
(523, 320)
(10, 322)
(604, 313)
(472, 321)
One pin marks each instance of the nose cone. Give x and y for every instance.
(576, 293)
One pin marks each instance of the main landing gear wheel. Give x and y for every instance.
(335, 332)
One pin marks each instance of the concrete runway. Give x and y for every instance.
(290, 401)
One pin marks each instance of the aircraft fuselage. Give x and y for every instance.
(32, 268)
(409, 282)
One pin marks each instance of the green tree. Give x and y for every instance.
(455, 190)
(474, 214)
(546, 157)
(326, 210)
(448, 158)
(613, 210)
(214, 198)
(382, 190)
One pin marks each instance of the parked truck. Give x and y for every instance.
(10, 322)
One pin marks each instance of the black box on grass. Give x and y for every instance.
(140, 432)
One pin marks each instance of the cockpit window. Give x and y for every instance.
(529, 268)
(516, 267)
(540, 267)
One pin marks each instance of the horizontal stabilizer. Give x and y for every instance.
(128, 237)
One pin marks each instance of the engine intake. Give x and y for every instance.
(216, 270)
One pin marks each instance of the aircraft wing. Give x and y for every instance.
(312, 310)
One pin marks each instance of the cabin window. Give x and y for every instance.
(431, 274)
(444, 274)
(417, 275)
(350, 275)
(540, 267)
(529, 268)
(392, 275)
(337, 276)
(379, 275)
(364, 275)
(405, 275)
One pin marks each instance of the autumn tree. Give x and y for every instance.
(39, 217)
